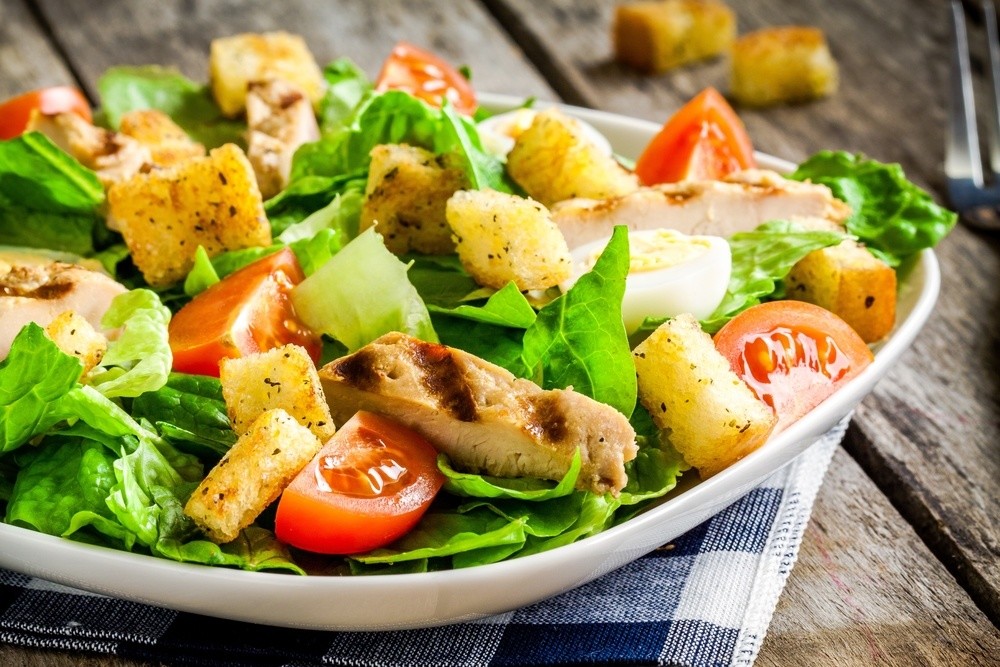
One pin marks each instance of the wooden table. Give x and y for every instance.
(901, 562)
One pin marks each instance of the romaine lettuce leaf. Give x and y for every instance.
(47, 198)
(190, 412)
(346, 87)
(579, 339)
(34, 377)
(139, 359)
(893, 217)
(362, 293)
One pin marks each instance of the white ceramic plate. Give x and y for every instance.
(436, 598)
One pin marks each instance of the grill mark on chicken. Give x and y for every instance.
(358, 370)
(444, 380)
(547, 421)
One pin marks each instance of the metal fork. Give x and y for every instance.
(977, 202)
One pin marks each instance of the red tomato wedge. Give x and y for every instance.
(16, 112)
(248, 311)
(705, 139)
(792, 354)
(367, 487)
(425, 75)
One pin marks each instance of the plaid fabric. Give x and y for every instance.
(705, 599)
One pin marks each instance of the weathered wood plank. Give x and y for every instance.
(865, 591)
(27, 58)
(176, 32)
(928, 433)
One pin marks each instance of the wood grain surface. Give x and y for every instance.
(893, 541)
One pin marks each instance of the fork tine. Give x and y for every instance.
(962, 159)
(990, 17)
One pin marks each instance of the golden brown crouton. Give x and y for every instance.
(408, 188)
(502, 238)
(251, 475)
(168, 144)
(849, 281)
(554, 160)
(285, 378)
(710, 415)
(658, 36)
(74, 335)
(238, 60)
(165, 215)
(782, 65)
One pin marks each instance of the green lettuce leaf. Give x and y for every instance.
(189, 104)
(47, 198)
(362, 293)
(139, 359)
(506, 308)
(190, 412)
(519, 488)
(34, 378)
(893, 217)
(579, 339)
(346, 87)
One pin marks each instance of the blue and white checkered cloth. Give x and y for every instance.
(705, 599)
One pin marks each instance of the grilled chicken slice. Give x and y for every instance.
(114, 156)
(480, 415)
(280, 119)
(40, 293)
(720, 208)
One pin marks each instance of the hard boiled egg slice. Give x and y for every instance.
(499, 132)
(670, 273)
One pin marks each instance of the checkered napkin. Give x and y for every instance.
(705, 599)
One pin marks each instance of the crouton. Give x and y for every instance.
(502, 238)
(408, 188)
(554, 160)
(849, 281)
(74, 335)
(657, 36)
(251, 475)
(166, 214)
(709, 414)
(285, 378)
(237, 60)
(782, 65)
(168, 144)
(280, 118)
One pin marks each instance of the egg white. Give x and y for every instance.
(695, 285)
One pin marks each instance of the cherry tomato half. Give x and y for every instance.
(16, 112)
(792, 354)
(248, 311)
(367, 487)
(705, 139)
(425, 75)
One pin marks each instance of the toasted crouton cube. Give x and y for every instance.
(238, 60)
(166, 214)
(168, 144)
(251, 475)
(502, 238)
(782, 65)
(554, 160)
(285, 378)
(408, 188)
(849, 281)
(658, 36)
(711, 416)
(74, 335)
